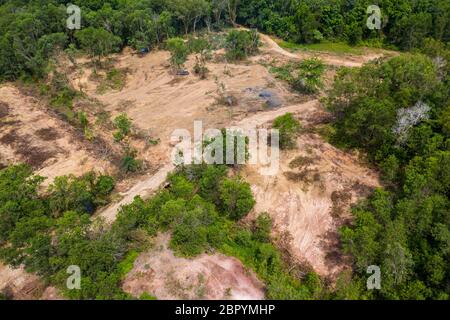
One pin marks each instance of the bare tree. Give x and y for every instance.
(232, 6)
(218, 7)
(409, 117)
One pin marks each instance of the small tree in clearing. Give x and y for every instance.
(178, 52)
(289, 128)
(123, 126)
(202, 50)
(241, 43)
(309, 76)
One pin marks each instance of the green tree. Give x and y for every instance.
(240, 44)
(262, 227)
(288, 128)
(179, 52)
(97, 42)
(309, 76)
(236, 198)
(123, 125)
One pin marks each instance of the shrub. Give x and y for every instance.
(309, 76)
(236, 198)
(179, 52)
(240, 44)
(129, 162)
(288, 127)
(262, 228)
(82, 118)
(83, 194)
(123, 124)
(305, 77)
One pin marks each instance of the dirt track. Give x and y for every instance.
(305, 213)
(329, 59)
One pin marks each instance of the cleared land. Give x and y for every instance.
(308, 201)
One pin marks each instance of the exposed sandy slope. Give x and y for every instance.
(160, 102)
(160, 273)
(30, 134)
(304, 213)
(20, 285)
(310, 202)
(329, 59)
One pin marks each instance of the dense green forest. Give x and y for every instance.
(30, 31)
(396, 111)
(404, 23)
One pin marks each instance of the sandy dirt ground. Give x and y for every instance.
(28, 133)
(306, 214)
(20, 285)
(207, 277)
(310, 196)
(144, 188)
(159, 102)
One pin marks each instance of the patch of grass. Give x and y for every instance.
(147, 296)
(126, 264)
(283, 72)
(115, 79)
(325, 46)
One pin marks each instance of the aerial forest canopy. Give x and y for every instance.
(30, 31)
(398, 113)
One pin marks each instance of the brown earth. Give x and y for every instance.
(160, 102)
(310, 196)
(29, 133)
(19, 285)
(207, 277)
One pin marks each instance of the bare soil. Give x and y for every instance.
(33, 135)
(310, 197)
(206, 277)
(17, 284)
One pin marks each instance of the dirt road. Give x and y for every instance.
(329, 59)
(143, 188)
